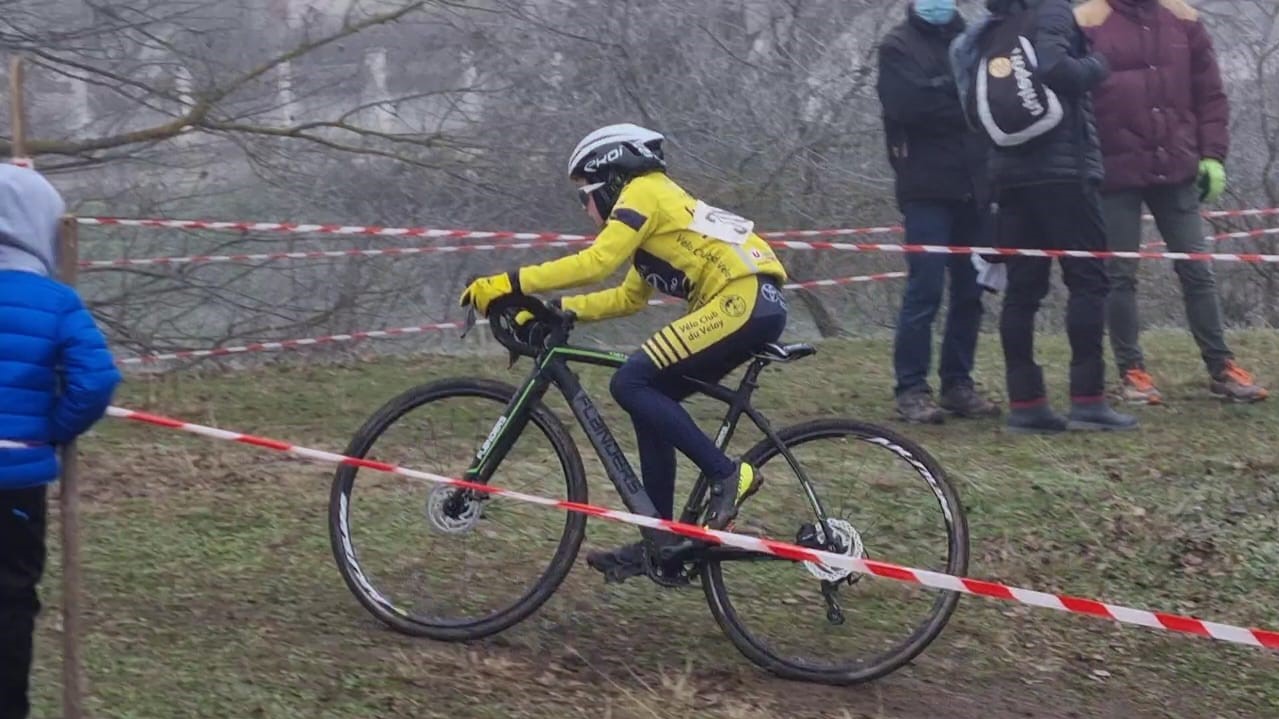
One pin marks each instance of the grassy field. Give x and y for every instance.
(212, 590)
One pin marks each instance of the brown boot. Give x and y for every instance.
(964, 401)
(918, 406)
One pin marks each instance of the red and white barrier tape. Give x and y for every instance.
(289, 344)
(841, 281)
(1220, 214)
(884, 570)
(419, 329)
(316, 229)
(447, 249)
(322, 254)
(1253, 258)
(377, 230)
(1245, 235)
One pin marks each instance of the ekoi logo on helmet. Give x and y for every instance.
(595, 164)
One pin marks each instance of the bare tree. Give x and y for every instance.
(461, 114)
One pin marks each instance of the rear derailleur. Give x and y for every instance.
(844, 540)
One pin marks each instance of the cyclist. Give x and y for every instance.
(685, 248)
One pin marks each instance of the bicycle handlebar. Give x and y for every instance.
(548, 326)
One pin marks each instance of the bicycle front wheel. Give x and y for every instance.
(435, 561)
(885, 499)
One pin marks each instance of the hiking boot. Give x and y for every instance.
(1235, 384)
(619, 564)
(1139, 388)
(964, 401)
(728, 494)
(1039, 419)
(1099, 416)
(918, 407)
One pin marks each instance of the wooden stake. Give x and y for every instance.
(73, 680)
(18, 111)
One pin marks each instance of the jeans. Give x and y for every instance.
(1062, 216)
(1176, 211)
(22, 555)
(954, 223)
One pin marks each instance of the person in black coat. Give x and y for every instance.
(1047, 197)
(940, 167)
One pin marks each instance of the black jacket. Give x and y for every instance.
(934, 153)
(1071, 151)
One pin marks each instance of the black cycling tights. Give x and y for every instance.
(706, 345)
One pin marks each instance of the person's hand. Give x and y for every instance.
(528, 332)
(481, 292)
(1212, 180)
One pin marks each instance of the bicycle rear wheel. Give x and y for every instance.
(886, 499)
(431, 560)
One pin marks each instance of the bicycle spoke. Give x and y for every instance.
(439, 561)
(883, 505)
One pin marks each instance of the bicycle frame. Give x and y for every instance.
(551, 367)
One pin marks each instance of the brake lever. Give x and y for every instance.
(469, 324)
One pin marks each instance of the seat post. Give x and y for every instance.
(751, 378)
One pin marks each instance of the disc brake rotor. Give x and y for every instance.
(849, 539)
(451, 510)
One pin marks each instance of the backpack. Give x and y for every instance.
(995, 66)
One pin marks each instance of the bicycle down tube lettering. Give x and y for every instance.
(488, 441)
(605, 443)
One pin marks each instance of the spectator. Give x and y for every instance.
(56, 380)
(941, 191)
(1047, 197)
(1163, 119)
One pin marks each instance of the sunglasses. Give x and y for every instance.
(584, 192)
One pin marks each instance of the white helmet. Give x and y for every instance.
(609, 157)
(640, 137)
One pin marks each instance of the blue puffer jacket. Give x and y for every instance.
(56, 374)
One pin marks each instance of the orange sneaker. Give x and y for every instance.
(1139, 388)
(1235, 384)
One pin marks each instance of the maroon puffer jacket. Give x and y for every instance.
(1163, 108)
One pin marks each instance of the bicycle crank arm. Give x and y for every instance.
(834, 614)
(698, 552)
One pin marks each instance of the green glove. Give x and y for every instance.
(1212, 180)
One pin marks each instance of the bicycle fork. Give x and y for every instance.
(506, 430)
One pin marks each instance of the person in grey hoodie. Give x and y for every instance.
(56, 380)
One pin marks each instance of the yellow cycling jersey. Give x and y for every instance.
(675, 244)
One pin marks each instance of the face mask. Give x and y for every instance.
(935, 12)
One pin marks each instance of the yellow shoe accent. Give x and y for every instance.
(748, 482)
(722, 511)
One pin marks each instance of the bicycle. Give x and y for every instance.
(466, 514)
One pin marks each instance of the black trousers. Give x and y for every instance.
(1057, 216)
(22, 553)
